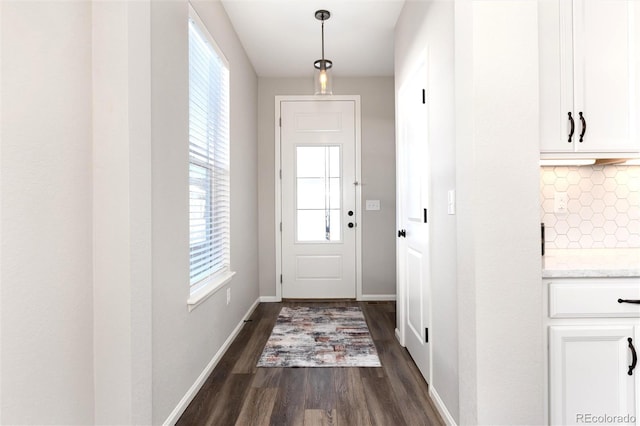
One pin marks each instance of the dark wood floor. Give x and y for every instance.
(239, 393)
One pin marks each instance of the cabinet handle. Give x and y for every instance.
(634, 357)
(584, 126)
(573, 126)
(637, 302)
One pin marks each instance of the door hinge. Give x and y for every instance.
(280, 278)
(424, 96)
(425, 215)
(280, 173)
(280, 122)
(280, 226)
(426, 335)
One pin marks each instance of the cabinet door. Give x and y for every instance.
(588, 374)
(636, 376)
(555, 23)
(589, 66)
(606, 56)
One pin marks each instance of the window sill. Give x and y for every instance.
(209, 289)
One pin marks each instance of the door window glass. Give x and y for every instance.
(318, 193)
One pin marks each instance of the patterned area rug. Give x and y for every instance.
(320, 337)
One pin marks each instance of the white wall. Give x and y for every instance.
(46, 219)
(500, 333)
(465, 162)
(94, 211)
(429, 25)
(378, 177)
(184, 342)
(122, 211)
(499, 338)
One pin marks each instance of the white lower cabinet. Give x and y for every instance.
(593, 336)
(589, 374)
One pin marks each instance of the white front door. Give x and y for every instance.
(413, 198)
(318, 159)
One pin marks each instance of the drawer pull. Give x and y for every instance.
(636, 301)
(634, 357)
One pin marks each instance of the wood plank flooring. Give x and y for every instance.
(239, 393)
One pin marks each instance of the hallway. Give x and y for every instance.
(239, 393)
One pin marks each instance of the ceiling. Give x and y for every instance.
(283, 37)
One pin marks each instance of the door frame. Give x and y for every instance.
(278, 183)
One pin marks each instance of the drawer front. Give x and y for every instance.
(593, 300)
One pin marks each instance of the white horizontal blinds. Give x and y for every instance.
(209, 197)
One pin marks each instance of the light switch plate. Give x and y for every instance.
(451, 201)
(372, 205)
(560, 202)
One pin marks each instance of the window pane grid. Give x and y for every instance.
(209, 175)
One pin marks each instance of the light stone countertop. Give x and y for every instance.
(579, 263)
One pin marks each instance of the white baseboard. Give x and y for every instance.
(193, 390)
(377, 297)
(398, 337)
(442, 409)
(269, 299)
(363, 298)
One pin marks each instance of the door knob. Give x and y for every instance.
(402, 233)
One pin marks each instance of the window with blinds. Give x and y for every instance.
(209, 197)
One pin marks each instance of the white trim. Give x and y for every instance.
(193, 390)
(358, 171)
(442, 409)
(377, 297)
(400, 288)
(213, 286)
(270, 299)
(399, 337)
(278, 186)
(278, 201)
(1, 145)
(193, 15)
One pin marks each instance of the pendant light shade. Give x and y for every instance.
(323, 81)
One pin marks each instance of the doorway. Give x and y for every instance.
(318, 197)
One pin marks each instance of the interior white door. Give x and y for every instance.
(318, 159)
(413, 241)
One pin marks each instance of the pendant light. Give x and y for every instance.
(322, 76)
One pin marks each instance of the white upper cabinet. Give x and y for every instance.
(589, 76)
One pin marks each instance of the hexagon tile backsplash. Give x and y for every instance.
(602, 206)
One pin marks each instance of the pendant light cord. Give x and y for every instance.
(323, 40)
